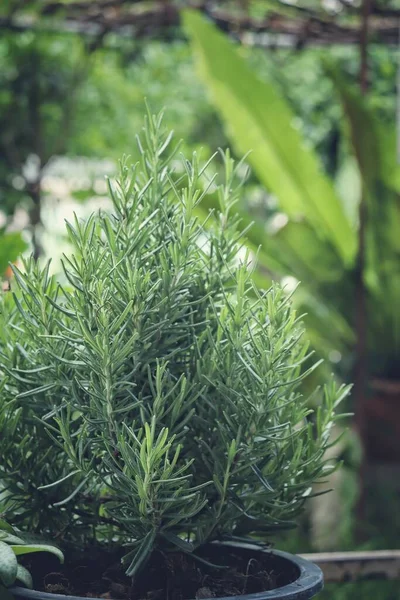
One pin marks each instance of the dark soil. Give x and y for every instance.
(173, 576)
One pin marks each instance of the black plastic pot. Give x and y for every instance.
(308, 583)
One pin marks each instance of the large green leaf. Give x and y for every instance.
(374, 146)
(258, 119)
(30, 548)
(24, 576)
(8, 565)
(375, 150)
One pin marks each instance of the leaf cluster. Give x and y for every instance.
(316, 243)
(13, 544)
(151, 395)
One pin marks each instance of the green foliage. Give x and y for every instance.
(39, 77)
(305, 247)
(374, 146)
(300, 77)
(11, 246)
(262, 124)
(59, 96)
(13, 544)
(160, 380)
(115, 89)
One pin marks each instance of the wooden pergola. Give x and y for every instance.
(263, 23)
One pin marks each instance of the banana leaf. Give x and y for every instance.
(259, 120)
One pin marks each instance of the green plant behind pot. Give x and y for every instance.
(318, 243)
(156, 379)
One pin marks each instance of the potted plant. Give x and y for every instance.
(151, 415)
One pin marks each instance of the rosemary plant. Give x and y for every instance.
(151, 396)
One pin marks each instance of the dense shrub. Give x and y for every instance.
(151, 397)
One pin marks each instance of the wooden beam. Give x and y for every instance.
(343, 567)
(142, 19)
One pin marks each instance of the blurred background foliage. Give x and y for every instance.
(317, 242)
(73, 79)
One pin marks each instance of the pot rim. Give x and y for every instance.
(309, 582)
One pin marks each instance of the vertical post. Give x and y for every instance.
(398, 93)
(364, 34)
(35, 192)
(361, 369)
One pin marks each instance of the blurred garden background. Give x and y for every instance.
(310, 87)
